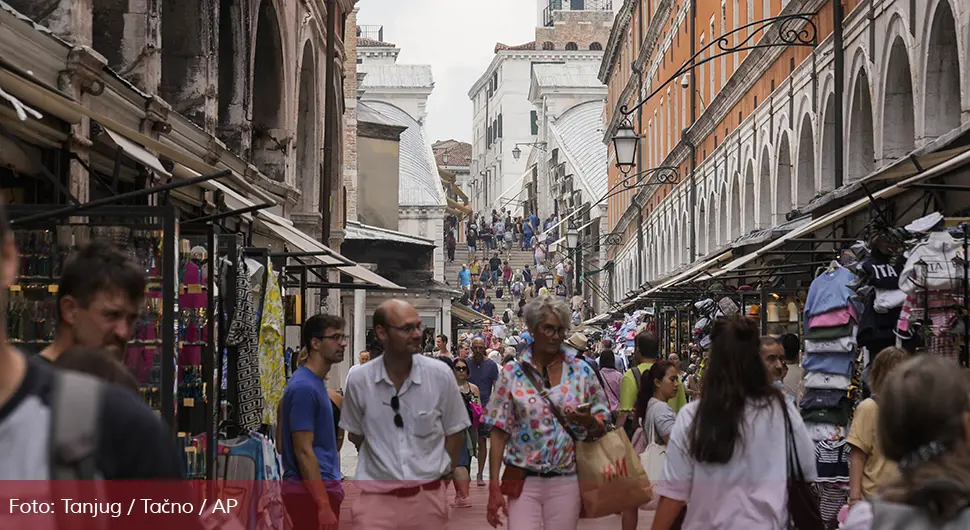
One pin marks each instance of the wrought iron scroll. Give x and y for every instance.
(791, 30)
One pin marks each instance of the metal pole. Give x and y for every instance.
(330, 122)
(640, 242)
(115, 199)
(169, 351)
(837, 17)
(692, 215)
(212, 376)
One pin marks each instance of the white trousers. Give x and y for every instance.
(550, 503)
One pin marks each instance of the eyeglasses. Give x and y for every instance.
(338, 337)
(409, 329)
(552, 331)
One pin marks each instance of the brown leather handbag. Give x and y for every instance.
(804, 511)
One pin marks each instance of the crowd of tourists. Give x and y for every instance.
(717, 430)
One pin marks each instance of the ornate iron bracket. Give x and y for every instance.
(792, 30)
(607, 240)
(661, 175)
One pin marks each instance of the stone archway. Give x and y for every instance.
(749, 200)
(270, 139)
(826, 180)
(711, 226)
(185, 61)
(861, 160)
(898, 132)
(704, 218)
(783, 199)
(805, 177)
(307, 176)
(724, 232)
(685, 231)
(737, 226)
(764, 190)
(231, 78)
(675, 248)
(942, 104)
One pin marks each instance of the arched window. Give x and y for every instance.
(572, 47)
(548, 46)
(596, 47)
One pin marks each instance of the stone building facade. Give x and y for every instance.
(251, 73)
(762, 131)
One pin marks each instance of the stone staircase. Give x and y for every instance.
(518, 259)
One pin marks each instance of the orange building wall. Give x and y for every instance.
(658, 144)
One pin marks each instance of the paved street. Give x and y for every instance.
(474, 518)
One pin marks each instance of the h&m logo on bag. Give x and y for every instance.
(615, 470)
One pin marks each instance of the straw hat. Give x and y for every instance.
(578, 342)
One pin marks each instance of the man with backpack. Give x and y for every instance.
(64, 425)
(646, 352)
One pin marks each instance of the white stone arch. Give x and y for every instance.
(685, 230)
(860, 152)
(896, 131)
(748, 199)
(941, 71)
(783, 179)
(711, 226)
(764, 178)
(805, 169)
(702, 220)
(724, 219)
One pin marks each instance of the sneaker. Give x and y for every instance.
(462, 502)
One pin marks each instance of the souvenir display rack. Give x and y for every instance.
(198, 397)
(150, 234)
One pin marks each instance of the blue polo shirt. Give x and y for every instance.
(307, 407)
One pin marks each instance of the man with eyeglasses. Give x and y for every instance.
(312, 491)
(405, 414)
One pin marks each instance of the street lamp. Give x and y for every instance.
(625, 144)
(517, 153)
(572, 238)
(572, 243)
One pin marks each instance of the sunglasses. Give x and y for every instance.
(461, 368)
(396, 407)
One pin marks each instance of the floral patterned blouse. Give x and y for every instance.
(537, 441)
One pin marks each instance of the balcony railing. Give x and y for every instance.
(371, 32)
(574, 5)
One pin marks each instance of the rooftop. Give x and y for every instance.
(452, 153)
(503, 47)
(366, 42)
(585, 152)
(397, 75)
(567, 76)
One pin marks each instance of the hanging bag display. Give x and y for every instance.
(611, 478)
(804, 512)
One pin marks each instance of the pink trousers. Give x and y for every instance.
(549, 503)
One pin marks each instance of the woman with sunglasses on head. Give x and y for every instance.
(924, 425)
(540, 487)
(472, 397)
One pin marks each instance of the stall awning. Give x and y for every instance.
(954, 162)
(598, 319)
(302, 242)
(689, 274)
(469, 315)
(137, 152)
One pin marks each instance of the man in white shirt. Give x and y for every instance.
(406, 416)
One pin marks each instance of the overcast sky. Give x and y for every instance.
(457, 38)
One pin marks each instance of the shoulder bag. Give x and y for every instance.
(804, 511)
(611, 478)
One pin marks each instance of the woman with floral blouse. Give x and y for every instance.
(526, 435)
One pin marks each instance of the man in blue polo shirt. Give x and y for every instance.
(312, 491)
(483, 373)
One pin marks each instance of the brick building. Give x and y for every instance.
(753, 133)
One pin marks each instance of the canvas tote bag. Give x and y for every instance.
(652, 458)
(611, 478)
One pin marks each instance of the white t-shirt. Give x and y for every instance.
(748, 492)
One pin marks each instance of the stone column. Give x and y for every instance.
(446, 320)
(81, 78)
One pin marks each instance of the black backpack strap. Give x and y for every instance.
(75, 426)
(636, 377)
